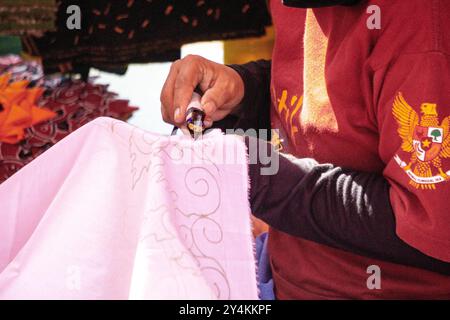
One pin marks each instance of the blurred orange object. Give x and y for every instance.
(18, 109)
(259, 226)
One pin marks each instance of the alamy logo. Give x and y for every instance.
(73, 22)
(374, 280)
(73, 278)
(374, 20)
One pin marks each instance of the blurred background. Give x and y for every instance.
(142, 83)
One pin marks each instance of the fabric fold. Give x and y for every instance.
(114, 212)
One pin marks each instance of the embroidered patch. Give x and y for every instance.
(428, 142)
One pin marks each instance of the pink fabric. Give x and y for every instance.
(114, 212)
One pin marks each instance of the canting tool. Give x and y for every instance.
(195, 117)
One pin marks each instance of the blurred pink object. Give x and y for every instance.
(114, 212)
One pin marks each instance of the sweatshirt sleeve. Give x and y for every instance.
(413, 116)
(254, 109)
(344, 209)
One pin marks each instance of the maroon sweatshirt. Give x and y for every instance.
(374, 106)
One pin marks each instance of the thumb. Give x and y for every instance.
(212, 100)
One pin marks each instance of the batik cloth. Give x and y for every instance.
(114, 212)
(27, 16)
(114, 33)
(29, 70)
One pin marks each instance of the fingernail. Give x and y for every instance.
(208, 123)
(176, 114)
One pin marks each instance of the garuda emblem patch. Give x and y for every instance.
(426, 140)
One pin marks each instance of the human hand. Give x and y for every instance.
(222, 87)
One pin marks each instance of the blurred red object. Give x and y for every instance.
(75, 103)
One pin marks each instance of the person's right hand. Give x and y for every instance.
(222, 87)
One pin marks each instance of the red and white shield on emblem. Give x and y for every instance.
(427, 142)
